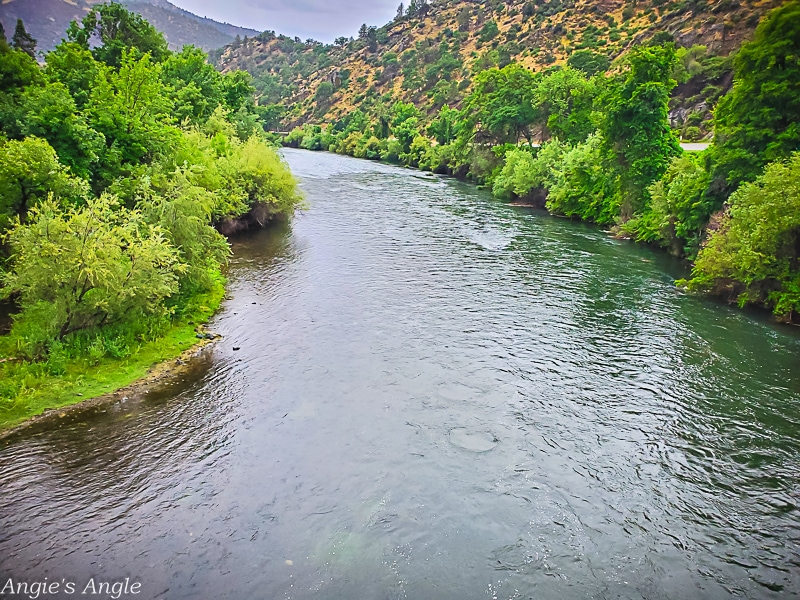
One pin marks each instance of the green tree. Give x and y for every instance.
(29, 171)
(23, 41)
(588, 61)
(679, 209)
(758, 121)
(445, 127)
(195, 86)
(524, 171)
(501, 106)
(49, 112)
(324, 92)
(17, 71)
(118, 31)
(753, 255)
(131, 108)
(584, 185)
(635, 125)
(87, 267)
(565, 103)
(75, 67)
(184, 211)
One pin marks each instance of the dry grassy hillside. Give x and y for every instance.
(430, 58)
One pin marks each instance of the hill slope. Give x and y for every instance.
(429, 56)
(47, 20)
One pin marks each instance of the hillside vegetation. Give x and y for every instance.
(430, 54)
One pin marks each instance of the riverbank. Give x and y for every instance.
(87, 383)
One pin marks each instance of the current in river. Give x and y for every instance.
(435, 396)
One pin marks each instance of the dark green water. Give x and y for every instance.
(436, 397)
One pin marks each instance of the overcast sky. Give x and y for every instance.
(323, 20)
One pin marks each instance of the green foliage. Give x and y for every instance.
(753, 255)
(23, 41)
(131, 108)
(759, 120)
(76, 68)
(29, 171)
(445, 127)
(635, 125)
(501, 107)
(82, 268)
(489, 31)
(524, 171)
(17, 70)
(588, 61)
(119, 32)
(92, 277)
(49, 112)
(565, 104)
(183, 210)
(324, 92)
(195, 87)
(679, 210)
(584, 185)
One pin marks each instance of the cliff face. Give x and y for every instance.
(429, 56)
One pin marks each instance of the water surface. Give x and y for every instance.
(436, 396)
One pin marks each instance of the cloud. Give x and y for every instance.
(322, 20)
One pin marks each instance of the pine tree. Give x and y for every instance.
(400, 12)
(23, 41)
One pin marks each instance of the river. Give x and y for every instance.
(424, 393)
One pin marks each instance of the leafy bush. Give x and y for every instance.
(584, 185)
(753, 255)
(82, 268)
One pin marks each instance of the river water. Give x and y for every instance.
(434, 396)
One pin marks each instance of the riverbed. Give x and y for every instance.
(424, 393)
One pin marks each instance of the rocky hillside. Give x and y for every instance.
(429, 54)
(47, 20)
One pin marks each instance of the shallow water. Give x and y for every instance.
(436, 396)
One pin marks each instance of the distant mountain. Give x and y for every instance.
(47, 21)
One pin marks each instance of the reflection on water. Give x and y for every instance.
(436, 396)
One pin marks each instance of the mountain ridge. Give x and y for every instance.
(47, 21)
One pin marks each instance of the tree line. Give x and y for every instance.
(119, 162)
(593, 142)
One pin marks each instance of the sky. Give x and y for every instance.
(323, 20)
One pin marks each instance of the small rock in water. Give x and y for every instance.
(289, 563)
(236, 348)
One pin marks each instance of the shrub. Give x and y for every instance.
(753, 256)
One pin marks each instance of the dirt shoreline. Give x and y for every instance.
(156, 375)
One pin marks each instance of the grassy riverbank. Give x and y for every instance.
(28, 389)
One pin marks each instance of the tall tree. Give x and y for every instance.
(636, 126)
(759, 120)
(501, 108)
(23, 40)
(118, 29)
